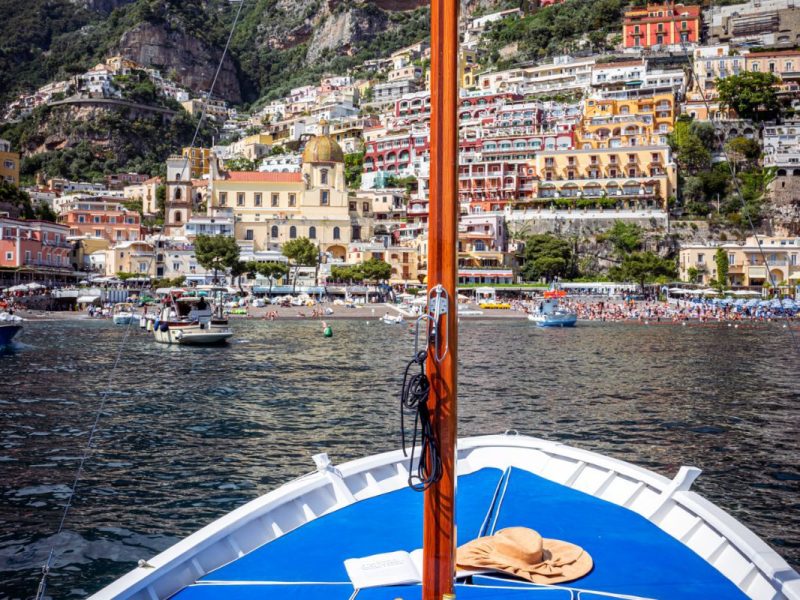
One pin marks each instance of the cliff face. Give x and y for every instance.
(342, 30)
(181, 56)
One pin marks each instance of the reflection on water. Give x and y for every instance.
(190, 433)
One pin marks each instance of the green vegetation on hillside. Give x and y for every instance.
(106, 143)
(550, 31)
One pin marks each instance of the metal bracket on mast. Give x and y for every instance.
(438, 306)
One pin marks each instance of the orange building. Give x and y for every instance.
(106, 220)
(661, 25)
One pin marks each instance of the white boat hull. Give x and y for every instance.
(122, 318)
(554, 320)
(720, 540)
(202, 338)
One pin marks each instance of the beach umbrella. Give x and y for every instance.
(36, 286)
(18, 288)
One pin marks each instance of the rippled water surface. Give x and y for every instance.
(189, 434)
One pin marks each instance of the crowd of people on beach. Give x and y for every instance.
(681, 311)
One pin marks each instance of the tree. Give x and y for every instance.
(376, 270)
(642, 267)
(216, 252)
(742, 151)
(547, 256)
(347, 274)
(161, 202)
(272, 270)
(721, 258)
(238, 269)
(300, 252)
(353, 167)
(624, 237)
(240, 163)
(751, 94)
(693, 273)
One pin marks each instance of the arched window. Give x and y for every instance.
(336, 233)
(274, 231)
(292, 232)
(312, 233)
(177, 193)
(323, 177)
(178, 216)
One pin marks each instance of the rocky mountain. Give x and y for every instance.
(276, 44)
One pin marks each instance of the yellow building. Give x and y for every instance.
(9, 163)
(609, 123)
(403, 260)
(746, 261)
(269, 209)
(83, 248)
(131, 257)
(641, 176)
(198, 160)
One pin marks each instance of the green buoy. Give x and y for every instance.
(327, 330)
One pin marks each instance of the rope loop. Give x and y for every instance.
(414, 398)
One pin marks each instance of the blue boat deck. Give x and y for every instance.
(632, 557)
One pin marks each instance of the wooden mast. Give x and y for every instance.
(439, 534)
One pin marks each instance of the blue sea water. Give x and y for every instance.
(188, 434)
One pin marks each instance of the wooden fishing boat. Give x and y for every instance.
(649, 536)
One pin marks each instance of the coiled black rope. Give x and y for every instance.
(414, 397)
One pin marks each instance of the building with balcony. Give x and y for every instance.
(145, 192)
(784, 64)
(660, 25)
(100, 219)
(206, 225)
(131, 257)
(782, 147)
(634, 177)
(199, 160)
(38, 247)
(9, 163)
(751, 263)
(482, 241)
(610, 123)
(766, 23)
(564, 74)
(403, 260)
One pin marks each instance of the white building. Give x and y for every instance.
(281, 163)
(782, 147)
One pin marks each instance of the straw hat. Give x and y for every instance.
(524, 553)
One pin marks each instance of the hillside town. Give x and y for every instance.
(569, 147)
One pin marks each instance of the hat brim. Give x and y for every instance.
(562, 561)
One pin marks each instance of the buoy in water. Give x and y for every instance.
(327, 331)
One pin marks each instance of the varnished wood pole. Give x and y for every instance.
(439, 534)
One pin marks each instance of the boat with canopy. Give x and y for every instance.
(530, 518)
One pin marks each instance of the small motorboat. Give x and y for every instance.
(551, 314)
(191, 320)
(10, 326)
(392, 319)
(123, 314)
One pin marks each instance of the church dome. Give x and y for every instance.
(322, 148)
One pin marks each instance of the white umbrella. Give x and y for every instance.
(36, 286)
(18, 288)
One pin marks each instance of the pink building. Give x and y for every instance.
(37, 246)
